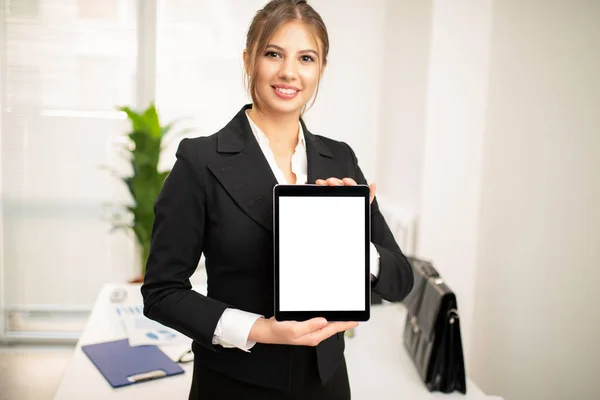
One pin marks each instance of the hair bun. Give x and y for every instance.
(298, 2)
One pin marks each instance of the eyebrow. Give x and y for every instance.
(301, 51)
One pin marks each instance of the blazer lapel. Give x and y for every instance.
(246, 175)
(321, 164)
(244, 171)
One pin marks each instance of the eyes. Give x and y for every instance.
(274, 54)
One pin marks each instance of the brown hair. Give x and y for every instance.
(263, 27)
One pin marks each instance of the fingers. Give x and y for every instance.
(336, 182)
(288, 332)
(309, 326)
(316, 337)
(330, 182)
(372, 190)
(346, 182)
(307, 333)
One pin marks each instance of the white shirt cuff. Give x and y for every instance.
(234, 328)
(374, 255)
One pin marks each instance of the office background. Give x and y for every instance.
(478, 119)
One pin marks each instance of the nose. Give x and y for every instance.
(288, 69)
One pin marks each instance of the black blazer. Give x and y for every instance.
(218, 200)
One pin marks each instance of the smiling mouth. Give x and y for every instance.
(288, 92)
(285, 93)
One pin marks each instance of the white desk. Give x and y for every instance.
(378, 365)
(83, 381)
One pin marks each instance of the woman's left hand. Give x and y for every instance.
(346, 182)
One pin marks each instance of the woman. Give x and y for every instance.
(217, 200)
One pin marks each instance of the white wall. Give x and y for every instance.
(402, 115)
(350, 96)
(456, 101)
(536, 324)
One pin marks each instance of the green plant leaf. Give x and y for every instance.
(146, 182)
(136, 119)
(147, 149)
(165, 129)
(152, 121)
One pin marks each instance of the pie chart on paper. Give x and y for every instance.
(161, 335)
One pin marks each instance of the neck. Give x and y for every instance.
(280, 129)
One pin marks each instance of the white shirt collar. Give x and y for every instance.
(261, 138)
(299, 159)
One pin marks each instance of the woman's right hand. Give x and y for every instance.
(306, 333)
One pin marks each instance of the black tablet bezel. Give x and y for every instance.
(322, 191)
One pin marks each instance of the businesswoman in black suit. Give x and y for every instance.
(218, 201)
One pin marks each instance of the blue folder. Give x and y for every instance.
(124, 365)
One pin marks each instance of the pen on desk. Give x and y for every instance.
(146, 376)
(186, 357)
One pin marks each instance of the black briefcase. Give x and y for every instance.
(432, 331)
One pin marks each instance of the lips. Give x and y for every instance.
(285, 92)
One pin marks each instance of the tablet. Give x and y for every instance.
(322, 241)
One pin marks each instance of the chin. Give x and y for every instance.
(284, 107)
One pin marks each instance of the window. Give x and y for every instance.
(66, 65)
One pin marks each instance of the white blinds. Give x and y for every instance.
(66, 65)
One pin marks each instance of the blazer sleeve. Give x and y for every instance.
(175, 249)
(395, 279)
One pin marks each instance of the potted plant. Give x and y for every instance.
(144, 144)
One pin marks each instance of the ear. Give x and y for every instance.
(245, 57)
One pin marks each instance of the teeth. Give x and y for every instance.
(286, 91)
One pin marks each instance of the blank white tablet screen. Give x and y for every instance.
(322, 253)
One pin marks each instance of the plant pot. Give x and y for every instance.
(139, 279)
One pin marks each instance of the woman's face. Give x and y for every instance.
(288, 70)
